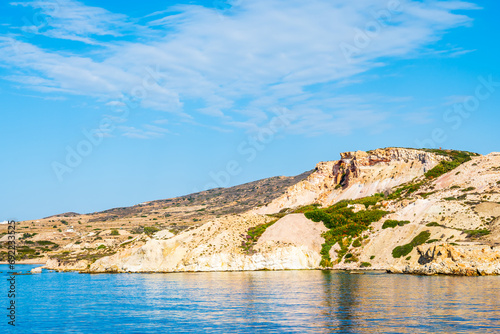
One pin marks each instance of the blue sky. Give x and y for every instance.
(113, 103)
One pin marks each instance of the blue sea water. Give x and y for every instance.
(251, 302)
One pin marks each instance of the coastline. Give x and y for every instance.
(29, 261)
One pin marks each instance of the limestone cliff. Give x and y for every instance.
(356, 174)
(447, 259)
(293, 242)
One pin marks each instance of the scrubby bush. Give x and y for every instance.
(344, 224)
(115, 232)
(404, 250)
(366, 264)
(477, 233)
(45, 243)
(253, 235)
(393, 223)
(457, 158)
(307, 208)
(150, 230)
(405, 189)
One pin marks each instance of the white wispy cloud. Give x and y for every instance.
(145, 132)
(69, 19)
(236, 64)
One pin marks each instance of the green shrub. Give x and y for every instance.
(366, 264)
(64, 222)
(477, 233)
(307, 208)
(45, 243)
(115, 232)
(253, 235)
(404, 250)
(425, 195)
(393, 223)
(367, 201)
(468, 189)
(150, 230)
(101, 247)
(405, 189)
(344, 224)
(431, 241)
(432, 224)
(372, 257)
(457, 158)
(356, 243)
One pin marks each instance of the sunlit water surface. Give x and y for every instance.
(252, 302)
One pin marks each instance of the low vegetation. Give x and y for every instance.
(150, 230)
(477, 233)
(405, 189)
(344, 224)
(404, 250)
(457, 158)
(393, 223)
(253, 235)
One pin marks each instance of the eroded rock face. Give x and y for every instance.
(455, 260)
(56, 264)
(294, 242)
(356, 174)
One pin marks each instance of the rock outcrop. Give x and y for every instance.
(356, 174)
(447, 259)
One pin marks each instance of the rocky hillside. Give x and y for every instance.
(84, 233)
(355, 175)
(401, 210)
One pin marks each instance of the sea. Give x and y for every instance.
(295, 301)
